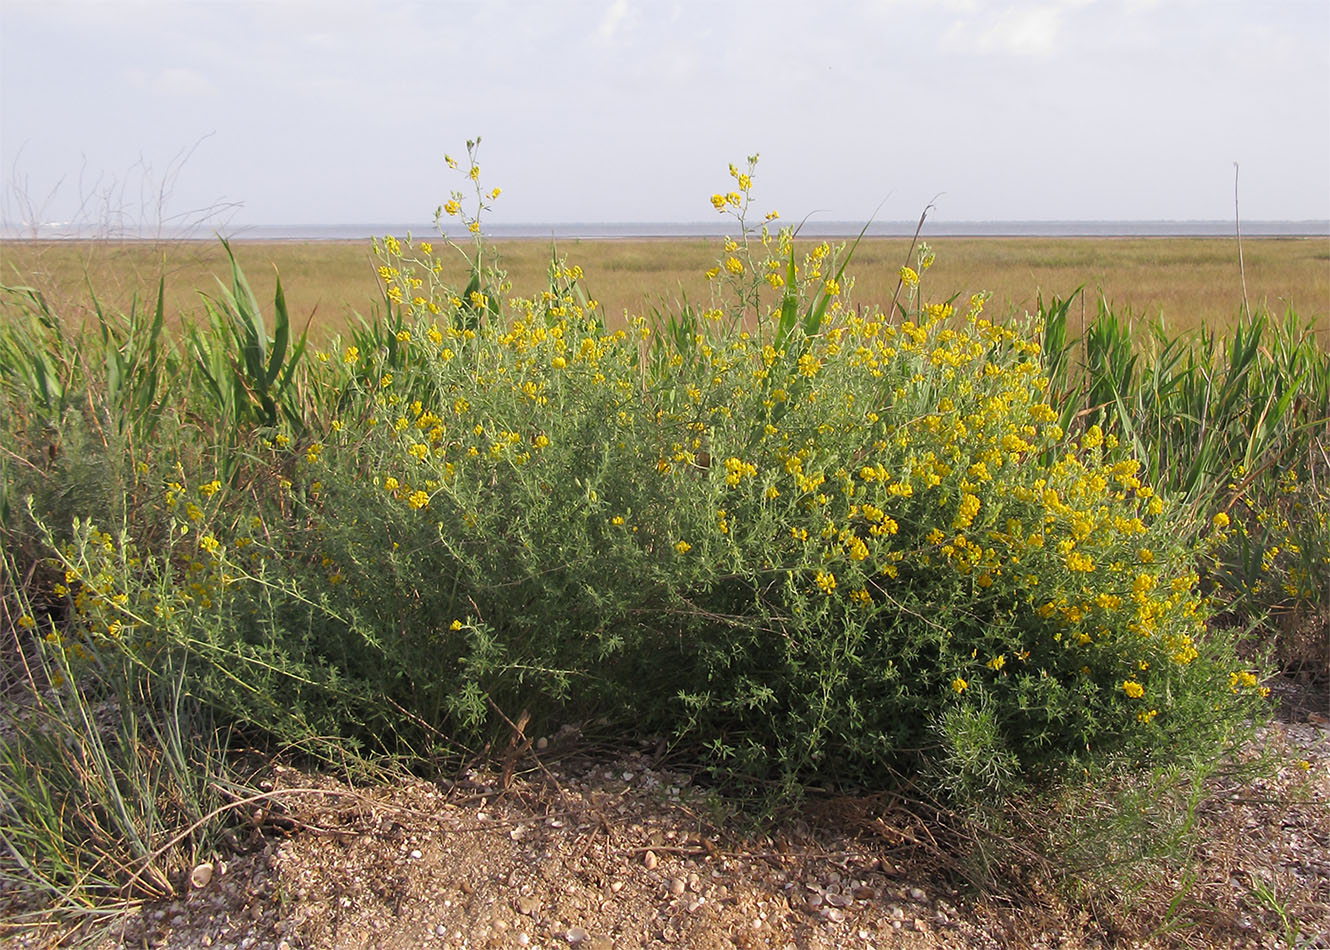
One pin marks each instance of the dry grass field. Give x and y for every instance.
(1187, 280)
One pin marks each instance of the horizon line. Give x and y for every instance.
(978, 227)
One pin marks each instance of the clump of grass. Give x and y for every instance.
(104, 759)
(1235, 424)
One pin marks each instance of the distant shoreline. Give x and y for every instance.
(702, 230)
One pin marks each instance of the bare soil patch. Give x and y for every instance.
(580, 845)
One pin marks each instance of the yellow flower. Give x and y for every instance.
(455, 625)
(1242, 679)
(418, 499)
(969, 507)
(959, 685)
(909, 277)
(210, 489)
(1220, 520)
(997, 662)
(351, 355)
(1076, 561)
(825, 581)
(734, 265)
(683, 547)
(209, 544)
(1133, 689)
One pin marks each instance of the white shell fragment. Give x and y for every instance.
(201, 876)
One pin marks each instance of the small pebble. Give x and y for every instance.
(415, 853)
(917, 894)
(527, 905)
(542, 743)
(649, 859)
(575, 935)
(676, 886)
(833, 914)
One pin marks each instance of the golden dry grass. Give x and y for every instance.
(1187, 280)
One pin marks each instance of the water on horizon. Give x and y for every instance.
(630, 230)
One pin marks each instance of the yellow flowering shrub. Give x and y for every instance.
(835, 537)
(811, 537)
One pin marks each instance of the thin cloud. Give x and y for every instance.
(613, 20)
(182, 81)
(1029, 30)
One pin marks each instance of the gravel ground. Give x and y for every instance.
(579, 846)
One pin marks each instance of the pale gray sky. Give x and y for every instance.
(630, 110)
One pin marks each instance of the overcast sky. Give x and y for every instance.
(630, 110)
